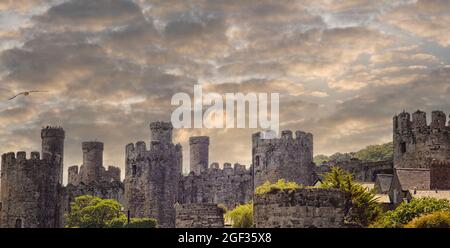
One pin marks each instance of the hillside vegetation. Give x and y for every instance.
(372, 153)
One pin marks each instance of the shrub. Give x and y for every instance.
(361, 206)
(406, 212)
(141, 223)
(281, 184)
(439, 219)
(241, 216)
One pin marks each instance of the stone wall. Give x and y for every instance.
(228, 186)
(283, 158)
(416, 144)
(32, 191)
(199, 154)
(152, 176)
(200, 215)
(362, 171)
(440, 175)
(302, 208)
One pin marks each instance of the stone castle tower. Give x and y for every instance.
(417, 144)
(199, 154)
(92, 171)
(92, 178)
(32, 191)
(152, 176)
(286, 158)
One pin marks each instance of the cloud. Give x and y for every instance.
(343, 68)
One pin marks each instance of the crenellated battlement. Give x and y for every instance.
(417, 122)
(301, 138)
(417, 143)
(15, 161)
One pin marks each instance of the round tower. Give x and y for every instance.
(92, 161)
(199, 154)
(161, 132)
(53, 148)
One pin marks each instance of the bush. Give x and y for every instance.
(241, 216)
(439, 219)
(406, 212)
(93, 212)
(361, 206)
(281, 184)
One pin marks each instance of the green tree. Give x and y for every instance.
(406, 212)
(376, 153)
(320, 159)
(361, 206)
(93, 212)
(439, 219)
(241, 216)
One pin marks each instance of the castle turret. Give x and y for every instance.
(161, 132)
(419, 120)
(32, 191)
(199, 154)
(92, 162)
(438, 120)
(53, 148)
(286, 158)
(152, 176)
(416, 144)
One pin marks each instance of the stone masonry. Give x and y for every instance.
(199, 154)
(416, 143)
(228, 186)
(32, 190)
(199, 215)
(283, 158)
(362, 171)
(152, 176)
(301, 208)
(92, 178)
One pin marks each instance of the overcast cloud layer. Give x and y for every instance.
(343, 68)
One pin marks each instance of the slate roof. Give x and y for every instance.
(384, 181)
(413, 178)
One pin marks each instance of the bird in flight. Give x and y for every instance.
(26, 93)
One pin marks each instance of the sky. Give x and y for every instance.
(343, 68)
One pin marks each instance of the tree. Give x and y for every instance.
(439, 219)
(406, 212)
(93, 212)
(376, 153)
(241, 216)
(320, 159)
(361, 206)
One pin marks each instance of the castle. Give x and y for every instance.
(32, 194)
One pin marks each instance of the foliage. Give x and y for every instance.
(241, 216)
(93, 212)
(376, 153)
(320, 159)
(281, 184)
(406, 212)
(439, 219)
(372, 153)
(361, 206)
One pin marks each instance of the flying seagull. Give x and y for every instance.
(26, 93)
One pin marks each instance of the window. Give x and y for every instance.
(257, 160)
(133, 169)
(403, 147)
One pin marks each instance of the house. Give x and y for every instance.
(405, 179)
